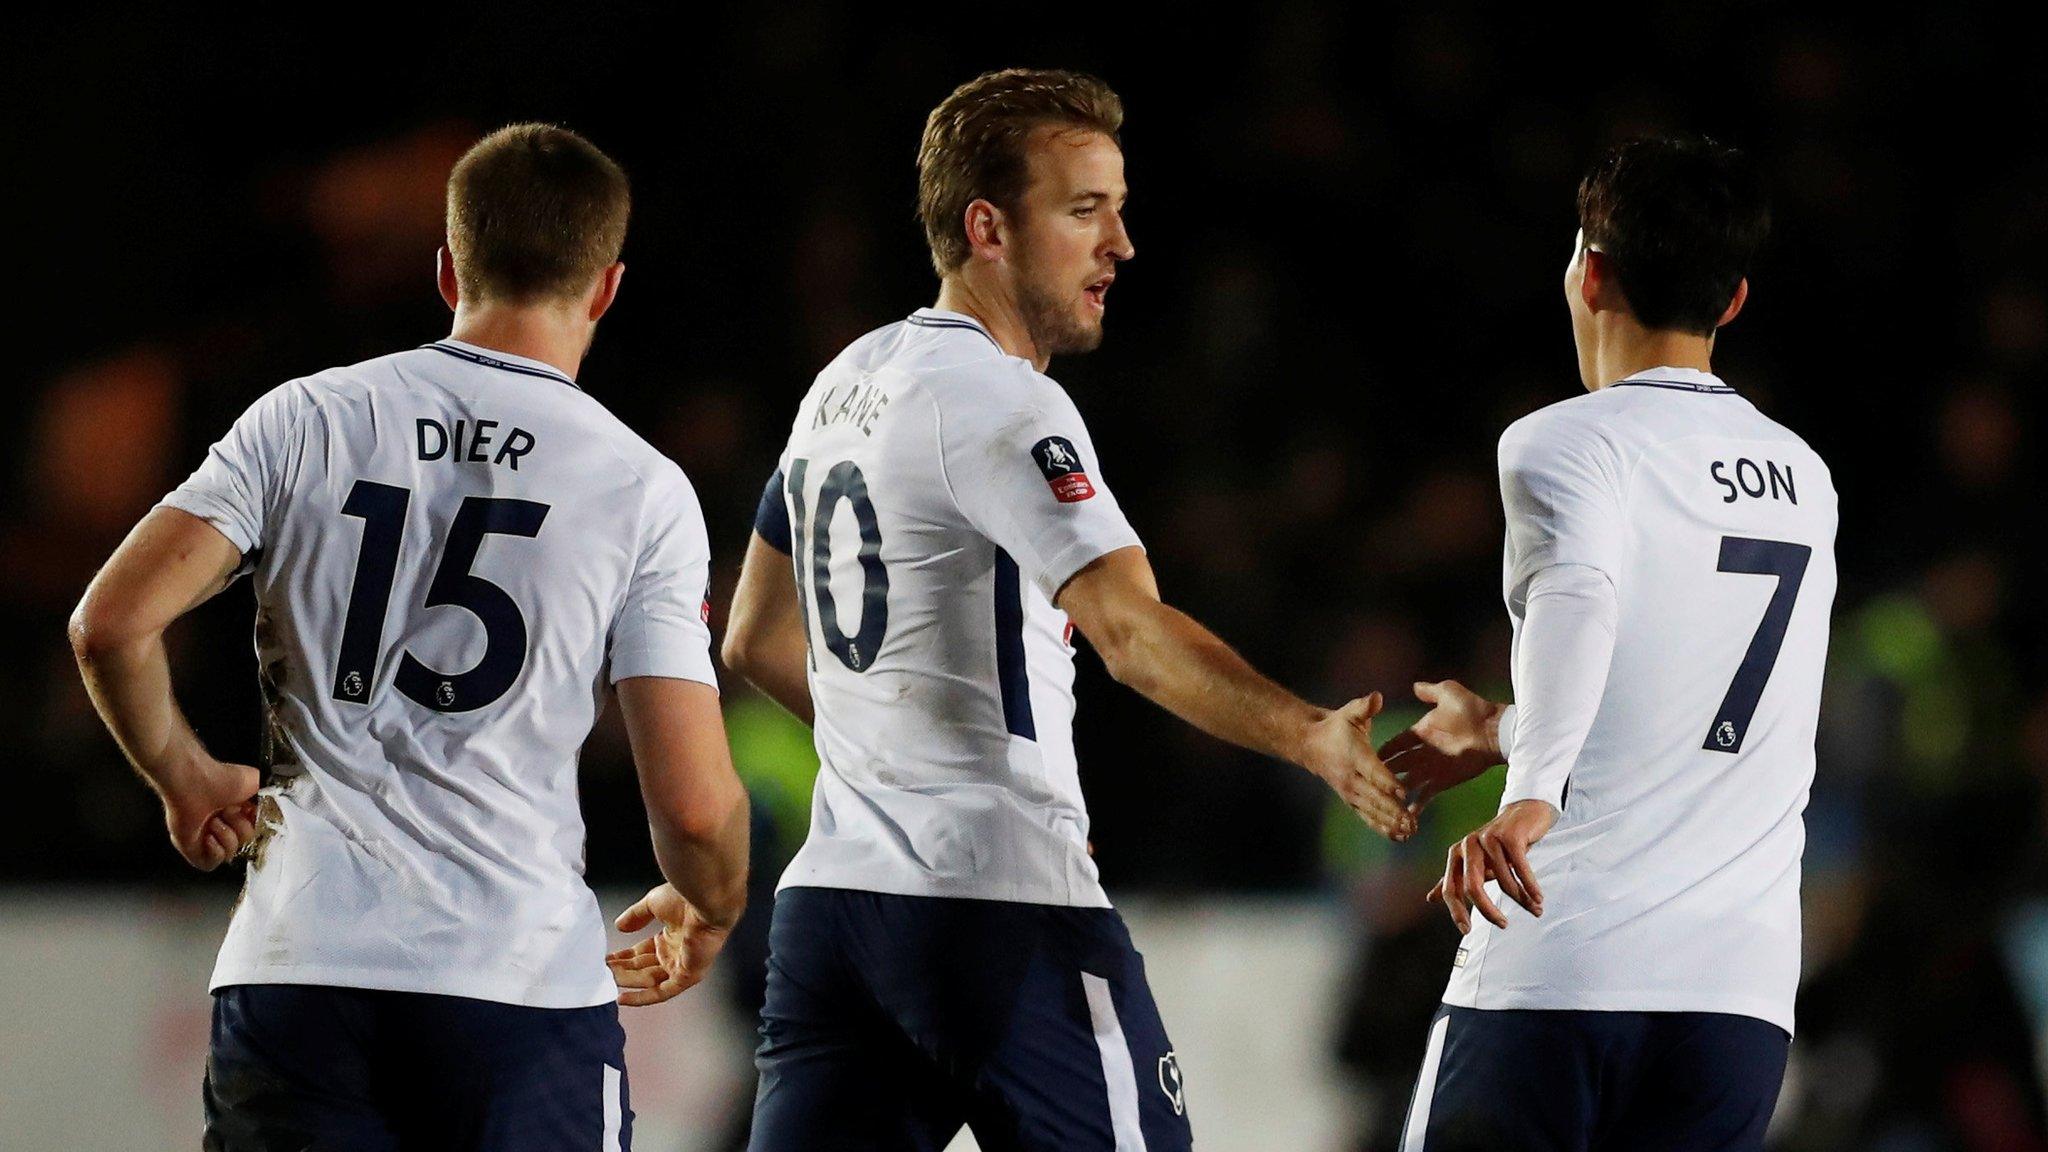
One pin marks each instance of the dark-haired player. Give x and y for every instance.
(943, 951)
(1669, 572)
(454, 550)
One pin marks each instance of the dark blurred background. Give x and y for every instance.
(1351, 228)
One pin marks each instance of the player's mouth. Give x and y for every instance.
(1098, 292)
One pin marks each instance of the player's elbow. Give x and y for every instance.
(99, 630)
(711, 815)
(1124, 655)
(742, 649)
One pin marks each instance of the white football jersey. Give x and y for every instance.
(935, 495)
(1671, 879)
(452, 549)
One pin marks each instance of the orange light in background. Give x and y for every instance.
(103, 441)
(378, 210)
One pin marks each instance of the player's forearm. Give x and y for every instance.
(1561, 666)
(129, 680)
(1172, 660)
(705, 858)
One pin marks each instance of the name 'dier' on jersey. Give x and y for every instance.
(454, 550)
(934, 496)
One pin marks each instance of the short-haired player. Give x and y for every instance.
(454, 551)
(942, 949)
(1628, 980)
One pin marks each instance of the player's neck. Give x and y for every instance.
(535, 332)
(1627, 349)
(994, 310)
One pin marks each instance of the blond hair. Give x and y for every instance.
(974, 145)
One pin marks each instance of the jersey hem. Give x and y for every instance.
(385, 980)
(217, 516)
(636, 664)
(1639, 1000)
(1009, 895)
(1064, 565)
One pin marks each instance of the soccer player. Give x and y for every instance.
(1628, 981)
(454, 549)
(942, 950)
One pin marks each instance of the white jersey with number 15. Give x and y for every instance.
(453, 549)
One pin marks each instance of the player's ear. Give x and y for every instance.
(607, 289)
(985, 233)
(444, 277)
(1734, 308)
(1597, 288)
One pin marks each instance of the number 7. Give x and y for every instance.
(1760, 558)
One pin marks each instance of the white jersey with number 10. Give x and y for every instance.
(935, 495)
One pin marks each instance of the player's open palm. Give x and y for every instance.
(1498, 851)
(673, 960)
(1456, 740)
(1340, 751)
(213, 817)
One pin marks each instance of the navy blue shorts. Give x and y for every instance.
(893, 1020)
(1516, 1080)
(308, 1068)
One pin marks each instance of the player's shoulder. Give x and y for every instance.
(955, 359)
(1581, 424)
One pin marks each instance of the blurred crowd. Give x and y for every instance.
(1351, 227)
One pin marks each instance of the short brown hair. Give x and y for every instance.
(534, 212)
(973, 146)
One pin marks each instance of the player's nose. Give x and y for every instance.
(1119, 246)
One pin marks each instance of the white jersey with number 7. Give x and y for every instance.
(1671, 879)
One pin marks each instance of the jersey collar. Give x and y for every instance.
(492, 358)
(940, 318)
(1677, 380)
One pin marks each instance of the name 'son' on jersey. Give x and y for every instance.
(1754, 480)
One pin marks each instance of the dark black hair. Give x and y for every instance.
(1680, 218)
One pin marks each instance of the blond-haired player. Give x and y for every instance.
(942, 950)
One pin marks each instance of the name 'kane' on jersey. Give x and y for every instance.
(1671, 878)
(452, 549)
(935, 495)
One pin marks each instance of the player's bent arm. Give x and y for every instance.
(764, 633)
(172, 562)
(1175, 662)
(696, 806)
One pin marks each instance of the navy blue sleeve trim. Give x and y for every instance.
(771, 519)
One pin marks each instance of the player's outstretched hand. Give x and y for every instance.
(212, 815)
(1340, 751)
(673, 960)
(1499, 851)
(1456, 740)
